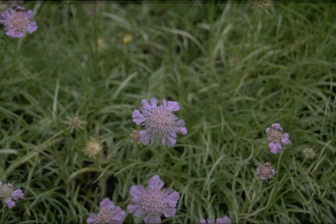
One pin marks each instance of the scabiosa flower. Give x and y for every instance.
(309, 153)
(274, 135)
(159, 120)
(108, 214)
(153, 202)
(8, 194)
(18, 21)
(93, 148)
(74, 123)
(265, 171)
(224, 220)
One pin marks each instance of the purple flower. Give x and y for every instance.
(153, 202)
(224, 220)
(9, 194)
(108, 213)
(265, 171)
(274, 135)
(91, 9)
(17, 22)
(159, 120)
(207, 221)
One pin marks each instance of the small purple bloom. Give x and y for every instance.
(159, 120)
(108, 213)
(8, 193)
(265, 171)
(17, 22)
(274, 135)
(153, 202)
(207, 221)
(224, 220)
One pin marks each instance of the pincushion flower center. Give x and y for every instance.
(19, 22)
(6, 191)
(105, 216)
(266, 170)
(153, 202)
(274, 135)
(74, 122)
(160, 120)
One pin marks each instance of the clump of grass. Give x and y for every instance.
(233, 69)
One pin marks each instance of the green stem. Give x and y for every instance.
(15, 53)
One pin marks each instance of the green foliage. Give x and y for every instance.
(234, 69)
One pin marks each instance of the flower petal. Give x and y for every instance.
(202, 221)
(155, 183)
(10, 203)
(169, 212)
(145, 104)
(137, 191)
(173, 198)
(258, 170)
(277, 126)
(285, 139)
(154, 102)
(273, 147)
(106, 203)
(32, 27)
(92, 219)
(145, 136)
(29, 14)
(138, 118)
(180, 127)
(169, 138)
(224, 220)
(152, 219)
(135, 209)
(119, 214)
(4, 17)
(210, 221)
(173, 106)
(17, 194)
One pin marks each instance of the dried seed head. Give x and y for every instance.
(93, 148)
(309, 153)
(135, 137)
(3, 7)
(45, 122)
(74, 123)
(127, 38)
(263, 4)
(101, 44)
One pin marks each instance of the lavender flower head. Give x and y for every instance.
(224, 220)
(153, 202)
(8, 194)
(265, 171)
(17, 22)
(108, 214)
(274, 135)
(159, 120)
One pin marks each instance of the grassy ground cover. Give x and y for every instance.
(234, 69)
